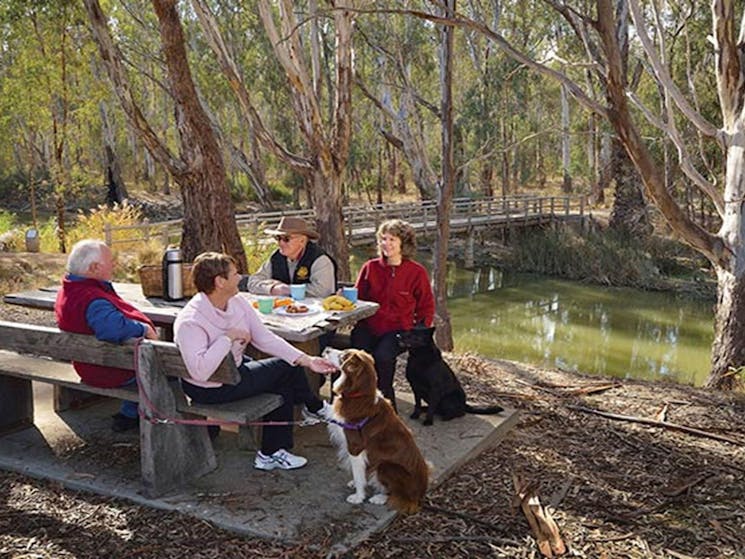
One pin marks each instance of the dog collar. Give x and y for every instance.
(352, 426)
(352, 394)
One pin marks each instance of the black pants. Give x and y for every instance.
(274, 376)
(384, 350)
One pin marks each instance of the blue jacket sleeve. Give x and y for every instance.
(109, 324)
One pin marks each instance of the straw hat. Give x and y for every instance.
(290, 225)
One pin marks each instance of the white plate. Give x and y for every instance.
(312, 309)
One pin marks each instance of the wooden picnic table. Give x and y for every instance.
(299, 330)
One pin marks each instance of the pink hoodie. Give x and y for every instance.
(200, 329)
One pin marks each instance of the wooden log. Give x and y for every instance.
(544, 528)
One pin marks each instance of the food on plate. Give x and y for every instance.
(337, 303)
(296, 309)
(278, 302)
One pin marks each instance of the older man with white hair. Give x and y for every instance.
(88, 304)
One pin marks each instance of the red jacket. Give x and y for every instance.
(72, 302)
(403, 292)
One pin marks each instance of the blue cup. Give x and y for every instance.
(297, 291)
(349, 293)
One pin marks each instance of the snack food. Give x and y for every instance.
(296, 308)
(279, 302)
(337, 303)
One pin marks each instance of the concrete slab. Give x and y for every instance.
(78, 449)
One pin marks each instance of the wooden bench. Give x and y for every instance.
(170, 454)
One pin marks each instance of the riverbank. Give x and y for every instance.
(617, 488)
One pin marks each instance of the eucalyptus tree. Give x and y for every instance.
(322, 106)
(47, 91)
(724, 248)
(399, 78)
(199, 169)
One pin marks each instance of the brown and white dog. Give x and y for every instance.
(372, 440)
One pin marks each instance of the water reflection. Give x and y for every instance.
(606, 331)
(617, 332)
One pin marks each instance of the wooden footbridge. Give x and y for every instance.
(468, 215)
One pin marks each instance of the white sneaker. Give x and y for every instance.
(280, 459)
(322, 415)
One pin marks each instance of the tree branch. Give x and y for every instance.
(112, 60)
(238, 85)
(663, 76)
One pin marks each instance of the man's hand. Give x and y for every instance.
(280, 289)
(150, 332)
(238, 335)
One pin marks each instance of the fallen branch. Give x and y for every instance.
(663, 424)
(593, 389)
(542, 524)
(447, 539)
(462, 516)
(678, 555)
(675, 490)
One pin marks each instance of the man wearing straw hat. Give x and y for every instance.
(297, 260)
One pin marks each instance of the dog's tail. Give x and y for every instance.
(484, 410)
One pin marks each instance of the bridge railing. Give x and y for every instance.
(363, 220)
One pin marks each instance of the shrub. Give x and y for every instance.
(92, 225)
(606, 257)
(257, 246)
(11, 236)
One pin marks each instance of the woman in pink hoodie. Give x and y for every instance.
(214, 323)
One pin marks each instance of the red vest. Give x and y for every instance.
(72, 303)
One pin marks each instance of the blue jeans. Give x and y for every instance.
(384, 350)
(129, 408)
(274, 376)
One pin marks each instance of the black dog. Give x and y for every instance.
(433, 381)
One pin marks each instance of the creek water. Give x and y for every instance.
(616, 332)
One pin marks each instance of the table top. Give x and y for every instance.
(163, 313)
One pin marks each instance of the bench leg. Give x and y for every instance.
(16, 403)
(71, 399)
(170, 454)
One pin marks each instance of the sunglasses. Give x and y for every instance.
(282, 238)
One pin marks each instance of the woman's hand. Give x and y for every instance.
(317, 364)
(238, 335)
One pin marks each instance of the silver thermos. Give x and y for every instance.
(173, 288)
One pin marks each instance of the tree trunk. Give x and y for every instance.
(604, 170)
(728, 349)
(116, 190)
(209, 214)
(629, 207)
(326, 189)
(444, 332)
(566, 184)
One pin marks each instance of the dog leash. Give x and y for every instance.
(154, 416)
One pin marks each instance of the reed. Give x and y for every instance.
(605, 257)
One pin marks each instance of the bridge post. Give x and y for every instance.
(468, 253)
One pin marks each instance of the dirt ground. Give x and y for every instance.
(667, 484)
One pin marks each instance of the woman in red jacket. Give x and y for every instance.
(402, 289)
